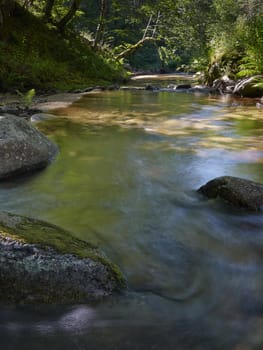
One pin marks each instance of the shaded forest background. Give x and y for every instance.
(58, 44)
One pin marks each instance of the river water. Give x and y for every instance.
(125, 179)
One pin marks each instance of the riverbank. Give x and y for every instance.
(14, 103)
(35, 55)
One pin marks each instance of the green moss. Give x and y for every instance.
(32, 231)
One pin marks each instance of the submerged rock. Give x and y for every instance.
(239, 192)
(22, 147)
(42, 263)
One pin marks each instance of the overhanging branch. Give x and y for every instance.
(134, 47)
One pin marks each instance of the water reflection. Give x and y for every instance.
(125, 179)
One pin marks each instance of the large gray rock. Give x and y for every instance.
(247, 87)
(42, 263)
(239, 192)
(22, 147)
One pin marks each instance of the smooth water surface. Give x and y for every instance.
(125, 179)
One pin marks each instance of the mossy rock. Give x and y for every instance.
(250, 87)
(42, 263)
(239, 192)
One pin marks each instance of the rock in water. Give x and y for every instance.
(183, 87)
(239, 192)
(42, 263)
(22, 147)
(249, 87)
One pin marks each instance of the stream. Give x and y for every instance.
(125, 179)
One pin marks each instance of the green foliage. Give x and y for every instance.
(259, 82)
(27, 98)
(249, 66)
(190, 35)
(259, 85)
(198, 64)
(32, 55)
(237, 36)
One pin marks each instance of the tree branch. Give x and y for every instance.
(69, 15)
(134, 47)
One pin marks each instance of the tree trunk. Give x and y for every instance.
(101, 24)
(69, 15)
(6, 7)
(134, 47)
(48, 11)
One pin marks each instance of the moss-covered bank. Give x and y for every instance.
(33, 55)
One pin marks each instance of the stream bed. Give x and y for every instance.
(125, 179)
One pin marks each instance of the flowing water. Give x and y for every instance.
(125, 179)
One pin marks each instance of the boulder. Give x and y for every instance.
(246, 87)
(22, 147)
(42, 263)
(239, 192)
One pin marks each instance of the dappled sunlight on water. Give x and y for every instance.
(221, 122)
(126, 180)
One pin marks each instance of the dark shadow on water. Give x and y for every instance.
(21, 179)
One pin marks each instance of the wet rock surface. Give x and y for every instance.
(36, 269)
(18, 110)
(22, 147)
(237, 191)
